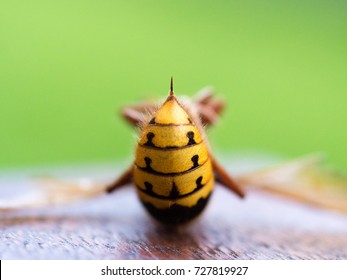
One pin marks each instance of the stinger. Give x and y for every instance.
(171, 87)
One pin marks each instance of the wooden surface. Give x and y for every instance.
(116, 226)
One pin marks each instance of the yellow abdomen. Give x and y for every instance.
(172, 171)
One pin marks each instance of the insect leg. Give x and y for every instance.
(209, 108)
(204, 95)
(132, 116)
(135, 114)
(207, 114)
(124, 179)
(225, 179)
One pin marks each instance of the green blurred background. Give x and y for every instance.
(67, 66)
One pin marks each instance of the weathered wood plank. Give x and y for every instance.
(117, 227)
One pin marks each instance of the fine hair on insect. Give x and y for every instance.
(174, 170)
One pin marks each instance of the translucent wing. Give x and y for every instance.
(305, 180)
(49, 192)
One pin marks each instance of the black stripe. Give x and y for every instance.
(176, 214)
(162, 197)
(171, 174)
(171, 124)
(168, 148)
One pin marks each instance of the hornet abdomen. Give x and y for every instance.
(173, 172)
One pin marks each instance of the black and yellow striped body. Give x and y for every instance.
(173, 171)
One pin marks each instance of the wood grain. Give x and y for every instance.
(116, 226)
